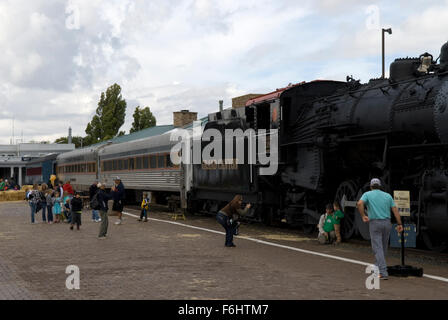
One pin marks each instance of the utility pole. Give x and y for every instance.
(383, 31)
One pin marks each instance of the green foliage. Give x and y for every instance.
(143, 118)
(109, 117)
(77, 141)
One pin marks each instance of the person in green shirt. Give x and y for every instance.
(2, 184)
(326, 226)
(338, 215)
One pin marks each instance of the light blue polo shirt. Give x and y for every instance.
(378, 204)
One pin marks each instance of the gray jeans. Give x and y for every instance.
(104, 223)
(379, 237)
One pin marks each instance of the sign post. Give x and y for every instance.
(405, 239)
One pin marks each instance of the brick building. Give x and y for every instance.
(239, 102)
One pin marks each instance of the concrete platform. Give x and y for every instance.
(160, 260)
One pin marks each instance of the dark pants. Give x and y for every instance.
(50, 213)
(44, 208)
(76, 218)
(104, 223)
(230, 229)
(144, 214)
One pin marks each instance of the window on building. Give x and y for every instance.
(131, 163)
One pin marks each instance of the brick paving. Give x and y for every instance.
(156, 260)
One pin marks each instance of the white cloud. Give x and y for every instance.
(188, 54)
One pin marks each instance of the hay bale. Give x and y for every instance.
(10, 196)
(2, 196)
(20, 195)
(25, 187)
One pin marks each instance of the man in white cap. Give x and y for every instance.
(379, 205)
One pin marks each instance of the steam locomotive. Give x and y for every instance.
(333, 137)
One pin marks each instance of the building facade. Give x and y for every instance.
(14, 159)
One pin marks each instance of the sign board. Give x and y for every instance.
(403, 201)
(410, 236)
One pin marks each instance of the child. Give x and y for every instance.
(76, 205)
(338, 215)
(145, 206)
(49, 202)
(67, 210)
(57, 210)
(326, 226)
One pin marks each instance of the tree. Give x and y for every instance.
(143, 118)
(109, 117)
(77, 141)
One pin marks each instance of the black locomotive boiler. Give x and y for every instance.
(333, 138)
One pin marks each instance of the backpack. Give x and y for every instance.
(94, 203)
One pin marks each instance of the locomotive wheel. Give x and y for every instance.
(309, 229)
(268, 217)
(347, 192)
(433, 244)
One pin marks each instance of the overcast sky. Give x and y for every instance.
(58, 56)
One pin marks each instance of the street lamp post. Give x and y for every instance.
(389, 31)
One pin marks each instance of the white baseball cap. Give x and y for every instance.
(375, 182)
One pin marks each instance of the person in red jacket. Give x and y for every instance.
(68, 188)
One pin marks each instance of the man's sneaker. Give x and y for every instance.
(99, 220)
(383, 277)
(118, 222)
(101, 238)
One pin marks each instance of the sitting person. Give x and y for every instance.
(326, 226)
(67, 210)
(338, 215)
